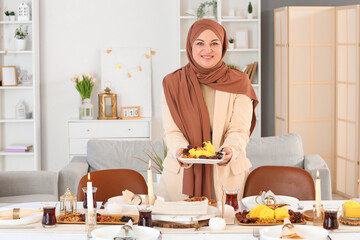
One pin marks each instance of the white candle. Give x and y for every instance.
(90, 202)
(150, 185)
(318, 194)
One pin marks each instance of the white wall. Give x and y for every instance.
(71, 33)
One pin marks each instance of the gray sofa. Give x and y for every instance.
(283, 150)
(28, 186)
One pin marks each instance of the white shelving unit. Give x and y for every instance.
(238, 57)
(12, 130)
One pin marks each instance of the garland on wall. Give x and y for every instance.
(119, 65)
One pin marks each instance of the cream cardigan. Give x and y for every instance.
(231, 124)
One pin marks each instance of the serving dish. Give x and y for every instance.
(309, 232)
(141, 233)
(79, 218)
(250, 202)
(202, 160)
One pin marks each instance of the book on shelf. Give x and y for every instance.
(16, 150)
(19, 146)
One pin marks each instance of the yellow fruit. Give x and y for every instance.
(281, 213)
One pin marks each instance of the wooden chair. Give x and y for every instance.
(112, 182)
(287, 181)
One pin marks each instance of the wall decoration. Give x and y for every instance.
(8, 76)
(241, 38)
(130, 113)
(23, 12)
(128, 69)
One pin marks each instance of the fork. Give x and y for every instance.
(256, 233)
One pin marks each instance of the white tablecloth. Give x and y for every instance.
(77, 231)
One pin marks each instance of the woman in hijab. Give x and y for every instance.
(206, 101)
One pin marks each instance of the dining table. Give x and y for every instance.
(35, 231)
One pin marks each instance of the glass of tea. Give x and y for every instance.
(330, 217)
(85, 197)
(232, 198)
(49, 217)
(145, 217)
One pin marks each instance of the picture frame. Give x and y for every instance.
(242, 38)
(130, 112)
(8, 76)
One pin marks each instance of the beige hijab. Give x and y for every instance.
(187, 106)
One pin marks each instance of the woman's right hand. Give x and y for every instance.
(179, 152)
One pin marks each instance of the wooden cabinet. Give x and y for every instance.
(81, 131)
(232, 15)
(305, 77)
(20, 131)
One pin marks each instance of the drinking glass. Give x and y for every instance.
(232, 198)
(85, 197)
(145, 216)
(330, 217)
(49, 217)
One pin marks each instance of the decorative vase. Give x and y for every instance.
(86, 110)
(20, 44)
(12, 18)
(231, 45)
(250, 15)
(158, 176)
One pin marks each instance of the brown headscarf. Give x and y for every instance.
(187, 106)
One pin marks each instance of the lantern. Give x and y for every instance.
(68, 203)
(107, 105)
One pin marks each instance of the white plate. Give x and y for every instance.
(22, 221)
(250, 202)
(202, 161)
(186, 219)
(125, 206)
(309, 232)
(141, 233)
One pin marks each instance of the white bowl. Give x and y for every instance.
(141, 233)
(309, 232)
(125, 206)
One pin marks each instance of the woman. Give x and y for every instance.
(206, 101)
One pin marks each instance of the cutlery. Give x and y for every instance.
(328, 236)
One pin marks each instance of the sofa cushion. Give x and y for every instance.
(115, 154)
(29, 198)
(284, 150)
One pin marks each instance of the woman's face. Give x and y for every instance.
(207, 49)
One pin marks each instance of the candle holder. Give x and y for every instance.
(90, 220)
(94, 189)
(318, 217)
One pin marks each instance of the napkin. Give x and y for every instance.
(128, 198)
(181, 207)
(270, 194)
(126, 231)
(289, 231)
(17, 213)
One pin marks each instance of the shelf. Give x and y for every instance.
(256, 85)
(12, 120)
(16, 87)
(239, 20)
(15, 22)
(188, 17)
(2, 153)
(16, 52)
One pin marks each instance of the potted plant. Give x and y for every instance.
(12, 16)
(20, 38)
(208, 8)
(157, 160)
(250, 11)
(231, 43)
(7, 15)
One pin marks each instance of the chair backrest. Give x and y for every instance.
(112, 182)
(288, 181)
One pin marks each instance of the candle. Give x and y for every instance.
(90, 203)
(318, 194)
(150, 185)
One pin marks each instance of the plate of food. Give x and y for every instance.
(141, 233)
(306, 231)
(201, 155)
(264, 216)
(186, 219)
(79, 218)
(33, 217)
(211, 202)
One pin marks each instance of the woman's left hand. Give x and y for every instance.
(227, 157)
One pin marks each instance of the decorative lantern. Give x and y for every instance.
(107, 105)
(68, 203)
(23, 12)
